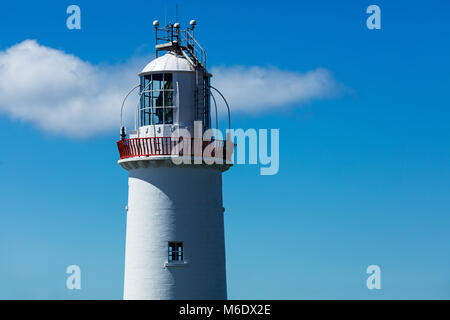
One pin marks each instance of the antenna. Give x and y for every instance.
(172, 38)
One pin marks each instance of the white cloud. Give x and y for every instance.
(258, 89)
(62, 94)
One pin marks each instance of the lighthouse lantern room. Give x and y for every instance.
(175, 246)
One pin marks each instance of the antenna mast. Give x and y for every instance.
(172, 38)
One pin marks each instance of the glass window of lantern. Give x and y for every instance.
(157, 100)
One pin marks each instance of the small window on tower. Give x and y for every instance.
(175, 251)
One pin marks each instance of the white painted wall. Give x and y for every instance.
(171, 203)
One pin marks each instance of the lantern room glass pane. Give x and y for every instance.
(168, 115)
(167, 83)
(146, 80)
(157, 81)
(158, 116)
(168, 98)
(157, 100)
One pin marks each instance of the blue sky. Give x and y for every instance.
(364, 174)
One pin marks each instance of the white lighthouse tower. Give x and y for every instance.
(175, 228)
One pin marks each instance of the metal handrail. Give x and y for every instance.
(228, 107)
(164, 146)
(195, 42)
(139, 101)
(137, 118)
(183, 39)
(215, 106)
(123, 103)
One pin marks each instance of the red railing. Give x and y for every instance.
(166, 146)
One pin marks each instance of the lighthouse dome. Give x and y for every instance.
(171, 61)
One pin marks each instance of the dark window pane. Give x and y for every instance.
(157, 99)
(145, 117)
(168, 98)
(157, 81)
(167, 84)
(146, 82)
(158, 116)
(146, 100)
(168, 115)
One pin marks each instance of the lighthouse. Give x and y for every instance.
(175, 247)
